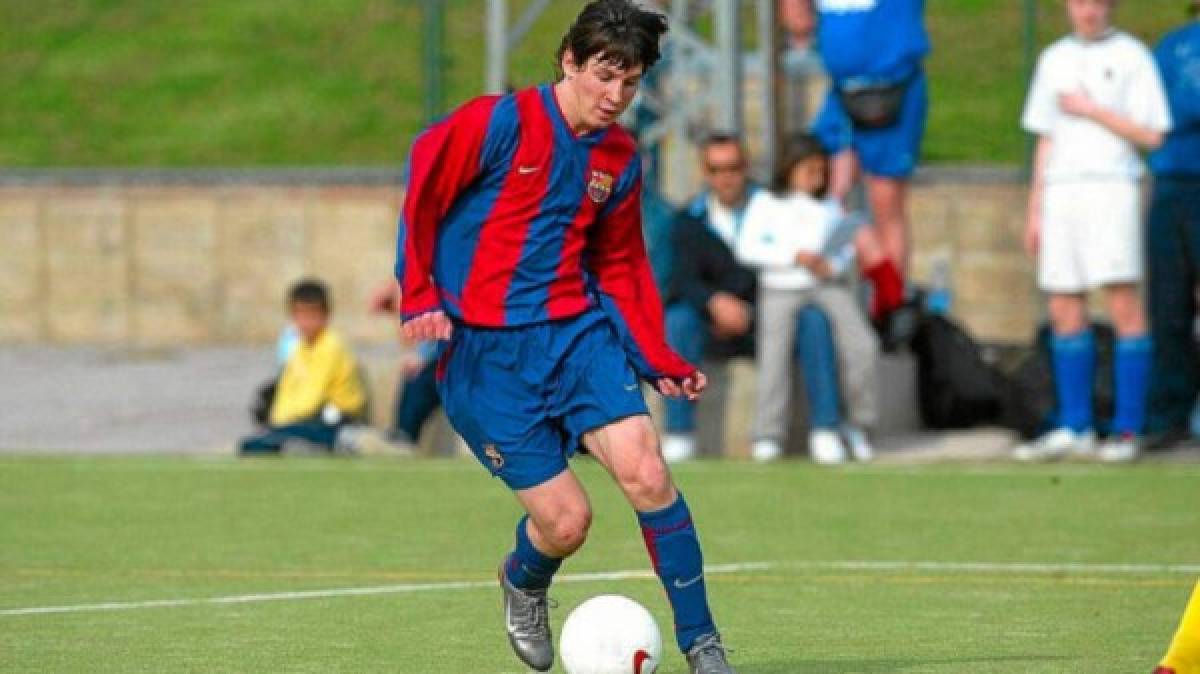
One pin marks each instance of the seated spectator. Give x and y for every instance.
(416, 391)
(803, 246)
(710, 295)
(320, 389)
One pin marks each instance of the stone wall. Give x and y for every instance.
(144, 258)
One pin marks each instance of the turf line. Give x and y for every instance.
(357, 591)
(998, 567)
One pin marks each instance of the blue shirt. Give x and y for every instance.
(1178, 58)
(872, 39)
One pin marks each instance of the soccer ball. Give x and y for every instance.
(610, 634)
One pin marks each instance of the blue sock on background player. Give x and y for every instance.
(527, 567)
(1132, 379)
(675, 551)
(1074, 368)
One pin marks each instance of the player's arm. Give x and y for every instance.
(444, 160)
(1080, 104)
(625, 286)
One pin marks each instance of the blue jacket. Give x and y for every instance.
(1178, 58)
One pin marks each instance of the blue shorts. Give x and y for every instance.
(522, 397)
(890, 152)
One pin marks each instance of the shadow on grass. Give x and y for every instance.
(881, 665)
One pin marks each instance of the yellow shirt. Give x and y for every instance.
(318, 373)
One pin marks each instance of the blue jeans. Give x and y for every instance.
(312, 430)
(818, 360)
(416, 403)
(688, 334)
(1173, 261)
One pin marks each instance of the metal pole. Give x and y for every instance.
(432, 20)
(728, 80)
(496, 61)
(768, 52)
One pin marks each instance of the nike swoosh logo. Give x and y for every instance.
(526, 170)
(682, 585)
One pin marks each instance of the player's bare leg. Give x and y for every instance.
(558, 521)
(888, 198)
(629, 450)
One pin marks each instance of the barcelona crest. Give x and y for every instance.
(600, 186)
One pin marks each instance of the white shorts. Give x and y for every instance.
(1091, 235)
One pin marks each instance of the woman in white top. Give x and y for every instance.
(802, 246)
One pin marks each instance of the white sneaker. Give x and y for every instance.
(1121, 448)
(678, 447)
(1057, 444)
(766, 450)
(860, 445)
(826, 448)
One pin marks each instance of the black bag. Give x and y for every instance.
(264, 397)
(956, 387)
(1030, 401)
(873, 106)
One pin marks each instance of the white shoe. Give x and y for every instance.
(1121, 448)
(860, 445)
(678, 447)
(766, 450)
(1057, 444)
(826, 448)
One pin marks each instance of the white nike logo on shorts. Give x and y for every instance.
(683, 585)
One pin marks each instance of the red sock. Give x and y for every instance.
(889, 287)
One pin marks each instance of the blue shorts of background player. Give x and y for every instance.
(890, 152)
(522, 397)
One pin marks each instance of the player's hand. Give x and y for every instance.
(691, 387)
(1077, 103)
(411, 366)
(817, 264)
(433, 325)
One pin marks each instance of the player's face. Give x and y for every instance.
(808, 175)
(1090, 18)
(725, 172)
(598, 91)
(310, 319)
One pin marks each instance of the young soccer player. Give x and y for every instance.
(1183, 655)
(520, 242)
(320, 389)
(1096, 99)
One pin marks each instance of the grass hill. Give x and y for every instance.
(277, 82)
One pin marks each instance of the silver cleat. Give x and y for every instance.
(527, 621)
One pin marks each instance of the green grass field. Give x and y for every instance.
(274, 82)
(118, 531)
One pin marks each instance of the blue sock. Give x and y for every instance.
(1132, 365)
(1074, 367)
(527, 567)
(675, 551)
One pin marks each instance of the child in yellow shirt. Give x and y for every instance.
(320, 389)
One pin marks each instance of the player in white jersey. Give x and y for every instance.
(1095, 101)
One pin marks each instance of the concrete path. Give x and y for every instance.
(91, 400)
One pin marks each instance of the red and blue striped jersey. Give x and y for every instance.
(511, 219)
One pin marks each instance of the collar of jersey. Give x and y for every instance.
(561, 128)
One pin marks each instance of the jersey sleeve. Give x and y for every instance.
(445, 159)
(1147, 96)
(624, 283)
(1041, 106)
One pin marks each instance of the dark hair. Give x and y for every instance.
(622, 33)
(309, 291)
(721, 138)
(800, 148)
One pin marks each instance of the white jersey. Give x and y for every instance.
(775, 229)
(1118, 73)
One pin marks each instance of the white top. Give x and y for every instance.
(775, 229)
(1118, 73)
(723, 221)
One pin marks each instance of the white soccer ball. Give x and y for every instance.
(610, 634)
